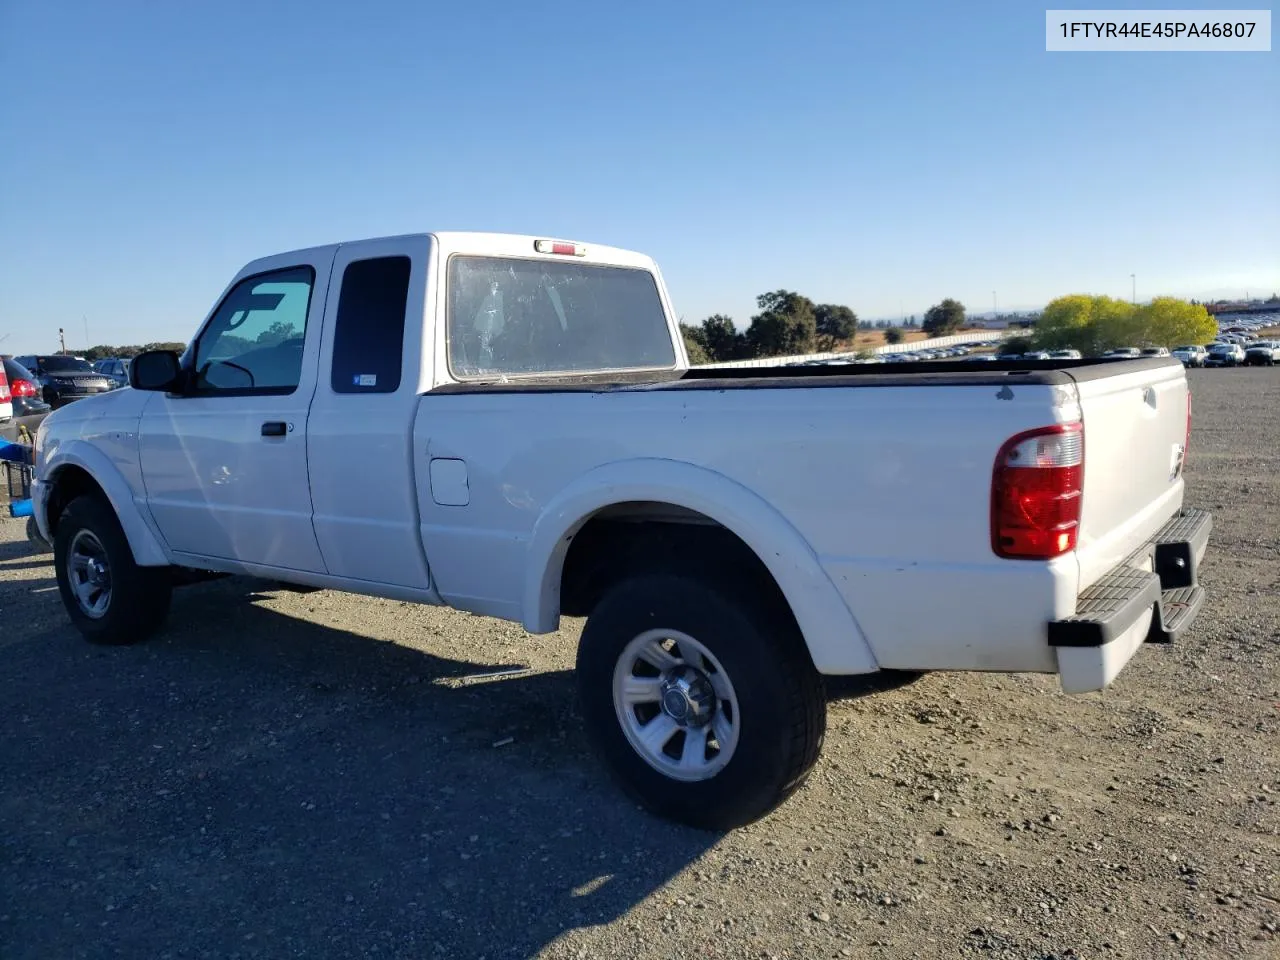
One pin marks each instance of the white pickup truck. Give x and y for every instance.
(509, 425)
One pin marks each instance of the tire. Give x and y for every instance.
(772, 710)
(136, 598)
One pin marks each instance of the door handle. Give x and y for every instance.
(274, 428)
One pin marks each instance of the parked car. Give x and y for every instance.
(116, 368)
(29, 409)
(518, 434)
(1064, 354)
(1191, 355)
(1155, 351)
(6, 403)
(1224, 355)
(1123, 352)
(63, 379)
(1264, 352)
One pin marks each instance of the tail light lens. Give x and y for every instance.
(1036, 491)
(4, 386)
(23, 388)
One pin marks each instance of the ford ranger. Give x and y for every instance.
(509, 425)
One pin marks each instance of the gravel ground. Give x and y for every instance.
(319, 775)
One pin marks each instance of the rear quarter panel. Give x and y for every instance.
(889, 485)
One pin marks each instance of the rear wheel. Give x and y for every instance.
(700, 698)
(110, 599)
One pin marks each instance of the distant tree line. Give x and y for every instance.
(104, 352)
(789, 323)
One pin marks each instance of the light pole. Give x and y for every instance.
(1134, 278)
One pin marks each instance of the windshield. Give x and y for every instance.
(65, 365)
(511, 316)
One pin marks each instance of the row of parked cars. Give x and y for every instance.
(1219, 354)
(907, 356)
(38, 384)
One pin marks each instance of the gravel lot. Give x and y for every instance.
(319, 775)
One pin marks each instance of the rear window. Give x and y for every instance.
(518, 317)
(368, 339)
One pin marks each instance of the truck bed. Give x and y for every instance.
(921, 373)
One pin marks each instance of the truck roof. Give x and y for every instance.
(479, 243)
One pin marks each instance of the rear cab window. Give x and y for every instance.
(518, 317)
(368, 338)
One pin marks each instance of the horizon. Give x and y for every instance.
(887, 161)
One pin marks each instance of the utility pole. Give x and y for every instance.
(62, 339)
(1134, 278)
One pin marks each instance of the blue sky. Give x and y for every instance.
(880, 156)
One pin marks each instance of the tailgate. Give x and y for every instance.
(1135, 428)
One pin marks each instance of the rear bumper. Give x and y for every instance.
(1152, 597)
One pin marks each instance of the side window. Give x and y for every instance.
(368, 337)
(254, 342)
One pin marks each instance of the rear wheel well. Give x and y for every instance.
(68, 484)
(627, 539)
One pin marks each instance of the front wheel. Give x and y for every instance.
(110, 599)
(700, 697)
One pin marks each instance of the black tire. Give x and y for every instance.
(782, 718)
(138, 598)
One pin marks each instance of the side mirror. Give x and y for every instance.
(157, 370)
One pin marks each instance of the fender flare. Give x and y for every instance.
(835, 641)
(148, 551)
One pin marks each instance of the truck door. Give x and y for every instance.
(360, 440)
(225, 463)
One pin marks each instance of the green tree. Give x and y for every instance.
(1086, 323)
(834, 324)
(944, 318)
(1071, 322)
(893, 335)
(695, 343)
(1094, 325)
(1169, 322)
(784, 326)
(278, 332)
(721, 339)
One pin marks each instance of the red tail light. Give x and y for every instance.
(5, 396)
(1036, 490)
(24, 388)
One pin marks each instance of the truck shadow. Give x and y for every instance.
(251, 784)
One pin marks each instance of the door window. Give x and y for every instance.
(253, 345)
